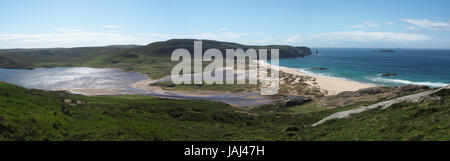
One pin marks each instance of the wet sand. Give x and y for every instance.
(234, 99)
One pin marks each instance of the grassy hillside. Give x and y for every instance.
(42, 115)
(165, 48)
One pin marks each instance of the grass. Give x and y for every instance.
(292, 84)
(42, 115)
(208, 87)
(403, 121)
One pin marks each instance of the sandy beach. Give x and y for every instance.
(332, 84)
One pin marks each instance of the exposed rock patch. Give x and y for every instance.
(291, 100)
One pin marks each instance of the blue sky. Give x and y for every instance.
(313, 23)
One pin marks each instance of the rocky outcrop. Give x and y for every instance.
(291, 100)
(388, 74)
(386, 51)
(411, 88)
(361, 92)
(318, 68)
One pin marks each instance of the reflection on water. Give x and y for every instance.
(71, 78)
(65, 78)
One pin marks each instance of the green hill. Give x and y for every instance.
(153, 59)
(44, 115)
(165, 48)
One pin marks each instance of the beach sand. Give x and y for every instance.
(333, 85)
(94, 92)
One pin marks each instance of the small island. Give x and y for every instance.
(386, 51)
(388, 74)
(318, 68)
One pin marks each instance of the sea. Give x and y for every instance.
(430, 67)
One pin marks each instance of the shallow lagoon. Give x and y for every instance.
(75, 78)
(64, 78)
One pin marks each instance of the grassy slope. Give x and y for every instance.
(38, 115)
(42, 115)
(403, 121)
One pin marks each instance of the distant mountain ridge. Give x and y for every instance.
(164, 48)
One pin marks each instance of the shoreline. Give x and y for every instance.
(334, 85)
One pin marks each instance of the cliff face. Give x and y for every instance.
(165, 48)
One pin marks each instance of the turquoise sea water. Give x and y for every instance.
(429, 67)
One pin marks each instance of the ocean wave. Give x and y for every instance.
(401, 81)
(306, 71)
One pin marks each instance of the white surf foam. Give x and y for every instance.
(402, 81)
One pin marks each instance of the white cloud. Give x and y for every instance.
(62, 29)
(68, 39)
(389, 23)
(357, 26)
(428, 24)
(370, 24)
(81, 38)
(110, 26)
(294, 39)
(226, 36)
(412, 28)
(361, 36)
(265, 41)
(356, 37)
(365, 24)
(224, 29)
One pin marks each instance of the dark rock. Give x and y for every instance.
(443, 93)
(171, 85)
(319, 68)
(412, 88)
(386, 51)
(346, 94)
(430, 98)
(291, 100)
(388, 74)
(294, 128)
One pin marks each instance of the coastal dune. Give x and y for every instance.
(333, 85)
